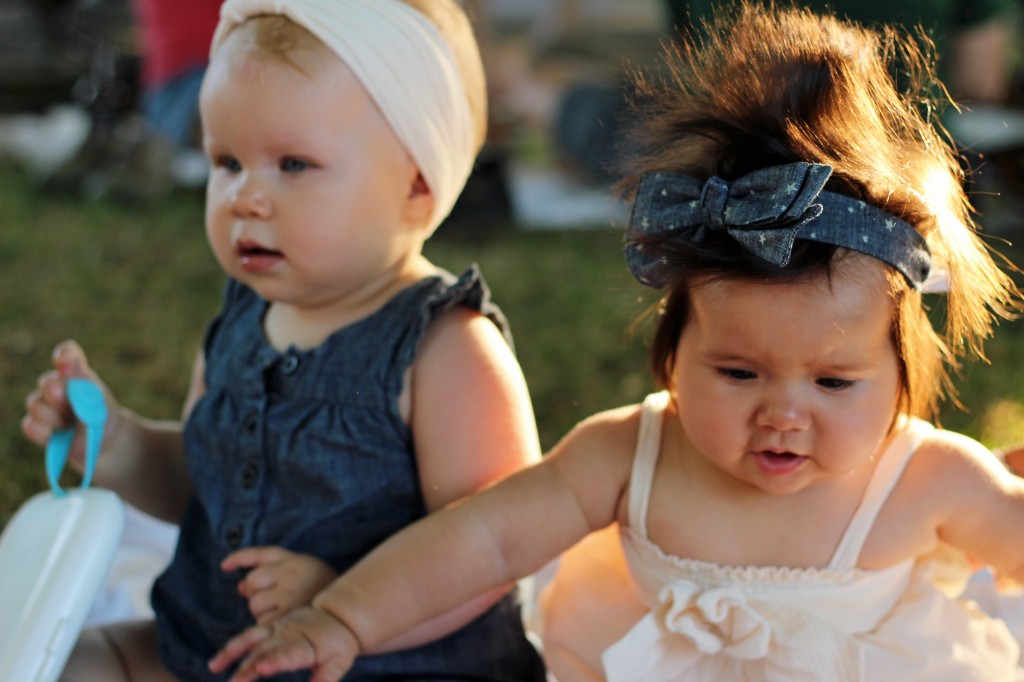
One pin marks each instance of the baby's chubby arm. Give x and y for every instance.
(980, 503)
(472, 423)
(467, 404)
(141, 459)
(487, 540)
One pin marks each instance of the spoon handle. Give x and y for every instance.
(90, 409)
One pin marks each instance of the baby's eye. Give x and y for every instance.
(834, 384)
(736, 374)
(228, 163)
(290, 164)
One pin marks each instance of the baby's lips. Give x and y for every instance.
(248, 247)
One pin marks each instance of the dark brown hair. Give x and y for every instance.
(765, 86)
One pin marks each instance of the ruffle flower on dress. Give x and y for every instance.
(716, 620)
(722, 633)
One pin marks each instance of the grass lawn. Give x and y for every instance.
(136, 286)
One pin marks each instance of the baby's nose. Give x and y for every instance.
(784, 411)
(248, 199)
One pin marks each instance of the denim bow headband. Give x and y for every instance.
(766, 211)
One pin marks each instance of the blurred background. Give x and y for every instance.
(101, 234)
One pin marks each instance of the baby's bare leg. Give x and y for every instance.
(122, 652)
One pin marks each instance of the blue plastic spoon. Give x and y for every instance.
(90, 408)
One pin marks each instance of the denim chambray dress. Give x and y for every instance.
(306, 449)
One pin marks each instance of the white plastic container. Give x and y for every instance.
(55, 554)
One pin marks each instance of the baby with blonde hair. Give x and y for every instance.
(348, 386)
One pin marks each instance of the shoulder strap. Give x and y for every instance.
(648, 444)
(907, 436)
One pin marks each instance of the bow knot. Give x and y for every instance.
(713, 197)
(762, 210)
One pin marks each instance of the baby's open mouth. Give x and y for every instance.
(779, 462)
(256, 258)
(247, 249)
(780, 455)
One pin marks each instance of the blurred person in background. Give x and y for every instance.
(120, 117)
(174, 43)
(978, 50)
(973, 38)
(583, 106)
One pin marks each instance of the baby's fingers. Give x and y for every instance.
(40, 421)
(277, 656)
(237, 647)
(264, 606)
(251, 557)
(265, 653)
(50, 389)
(305, 638)
(46, 409)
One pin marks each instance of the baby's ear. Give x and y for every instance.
(419, 205)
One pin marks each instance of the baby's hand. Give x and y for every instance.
(279, 581)
(304, 638)
(47, 408)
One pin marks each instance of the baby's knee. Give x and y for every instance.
(94, 658)
(122, 652)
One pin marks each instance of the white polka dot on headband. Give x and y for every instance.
(406, 66)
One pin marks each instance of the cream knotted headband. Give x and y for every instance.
(406, 66)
